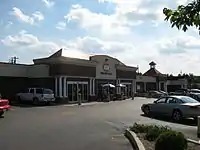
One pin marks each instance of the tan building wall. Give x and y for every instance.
(182, 82)
(111, 64)
(177, 82)
(17, 70)
(145, 79)
(38, 71)
(13, 70)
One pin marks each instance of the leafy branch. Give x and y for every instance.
(184, 16)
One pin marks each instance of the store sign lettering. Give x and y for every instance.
(106, 73)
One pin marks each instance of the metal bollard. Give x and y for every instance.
(133, 96)
(79, 100)
(198, 127)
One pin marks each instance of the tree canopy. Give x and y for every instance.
(184, 16)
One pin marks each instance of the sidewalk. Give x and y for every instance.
(29, 104)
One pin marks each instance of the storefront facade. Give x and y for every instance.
(79, 79)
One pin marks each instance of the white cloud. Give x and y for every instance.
(183, 2)
(32, 19)
(27, 47)
(61, 25)
(25, 42)
(134, 53)
(131, 53)
(179, 44)
(38, 15)
(120, 34)
(20, 15)
(21, 39)
(120, 22)
(86, 19)
(48, 3)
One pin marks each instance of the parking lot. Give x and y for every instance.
(98, 125)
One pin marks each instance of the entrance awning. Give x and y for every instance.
(108, 85)
(121, 85)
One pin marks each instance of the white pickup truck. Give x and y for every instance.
(36, 95)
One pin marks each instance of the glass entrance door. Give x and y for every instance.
(128, 89)
(77, 91)
(83, 91)
(72, 92)
(75, 95)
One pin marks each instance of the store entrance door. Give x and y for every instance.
(77, 91)
(128, 89)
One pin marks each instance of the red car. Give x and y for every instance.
(4, 106)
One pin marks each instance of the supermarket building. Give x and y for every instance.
(66, 75)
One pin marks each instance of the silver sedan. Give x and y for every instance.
(177, 107)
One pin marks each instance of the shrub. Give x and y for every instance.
(139, 128)
(154, 132)
(171, 140)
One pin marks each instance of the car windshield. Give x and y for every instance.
(48, 91)
(195, 91)
(188, 100)
(198, 95)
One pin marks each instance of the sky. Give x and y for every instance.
(133, 31)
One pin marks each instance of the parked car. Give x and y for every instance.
(194, 91)
(177, 107)
(180, 92)
(165, 93)
(36, 95)
(195, 96)
(155, 94)
(4, 105)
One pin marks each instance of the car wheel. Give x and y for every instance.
(35, 101)
(48, 103)
(1, 113)
(195, 119)
(177, 115)
(19, 99)
(147, 110)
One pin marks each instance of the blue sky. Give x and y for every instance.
(133, 31)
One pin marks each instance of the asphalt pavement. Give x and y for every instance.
(95, 126)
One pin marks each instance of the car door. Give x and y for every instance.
(158, 106)
(171, 104)
(39, 93)
(30, 94)
(24, 94)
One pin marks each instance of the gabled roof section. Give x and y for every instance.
(106, 56)
(57, 54)
(152, 63)
(58, 57)
(153, 72)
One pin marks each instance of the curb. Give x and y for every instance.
(134, 140)
(193, 141)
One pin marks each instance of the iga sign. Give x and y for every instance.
(106, 69)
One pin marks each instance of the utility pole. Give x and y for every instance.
(13, 60)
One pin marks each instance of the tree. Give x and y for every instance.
(184, 16)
